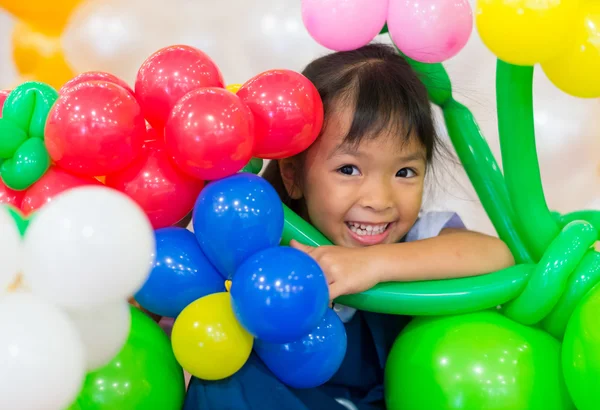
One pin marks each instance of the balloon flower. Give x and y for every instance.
(276, 297)
(344, 25)
(529, 330)
(66, 276)
(560, 35)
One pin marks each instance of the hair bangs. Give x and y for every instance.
(384, 106)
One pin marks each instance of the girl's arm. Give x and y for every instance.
(454, 253)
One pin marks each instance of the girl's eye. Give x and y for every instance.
(349, 170)
(406, 173)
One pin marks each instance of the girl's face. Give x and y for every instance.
(364, 195)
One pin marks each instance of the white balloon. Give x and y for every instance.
(244, 38)
(89, 246)
(118, 35)
(41, 355)
(103, 330)
(10, 249)
(255, 36)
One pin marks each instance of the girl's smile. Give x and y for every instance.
(367, 234)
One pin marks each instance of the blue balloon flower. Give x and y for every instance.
(236, 217)
(180, 275)
(310, 361)
(279, 294)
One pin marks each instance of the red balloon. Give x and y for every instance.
(52, 183)
(168, 75)
(95, 76)
(3, 97)
(9, 196)
(95, 128)
(165, 193)
(210, 133)
(152, 134)
(288, 112)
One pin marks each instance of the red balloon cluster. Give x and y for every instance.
(178, 127)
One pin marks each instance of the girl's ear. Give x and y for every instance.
(289, 170)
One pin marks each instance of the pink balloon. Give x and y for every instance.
(343, 25)
(430, 31)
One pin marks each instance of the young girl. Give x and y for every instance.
(361, 184)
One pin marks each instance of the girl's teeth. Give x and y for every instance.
(362, 229)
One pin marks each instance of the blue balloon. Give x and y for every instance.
(279, 294)
(236, 217)
(180, 274)
(310, 361)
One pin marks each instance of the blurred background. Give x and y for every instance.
(66, 37)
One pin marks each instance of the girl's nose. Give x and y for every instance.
(378, 197)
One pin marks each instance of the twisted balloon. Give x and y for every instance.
(555, 268)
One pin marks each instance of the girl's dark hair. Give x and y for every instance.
(384, 91)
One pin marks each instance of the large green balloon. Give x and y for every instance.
(581, 352)
(144, 375)
(475, 361)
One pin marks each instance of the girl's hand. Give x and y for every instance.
(348, 270)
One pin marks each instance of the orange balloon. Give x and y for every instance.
(101, 179)
(39, 57)
(49, 16)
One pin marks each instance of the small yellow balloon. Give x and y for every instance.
(526, 32)
(234, 88)
(577, 70)
(49, 16)
(39, 57)
(207, 339)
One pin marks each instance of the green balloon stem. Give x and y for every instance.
(294, 227)
(549, 279)
(384, 29)
(514, 96)
(542, 295)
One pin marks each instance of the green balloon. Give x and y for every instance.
(585, 277)
(254, 166)
(21, 220)
(30, 162)
(476, 361)
(11, 137)
(551, 275)
(581, 352)
(144, 375)
(28, 105)
(514, 97)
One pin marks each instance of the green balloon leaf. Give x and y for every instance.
(30, 162)
(25, 157)
(21, 220)
(11, 137)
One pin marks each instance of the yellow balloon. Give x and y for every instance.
(526, 32)
(39, 57)
(234, 88)
(207, 339)
(49, 16)
(577, 70)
